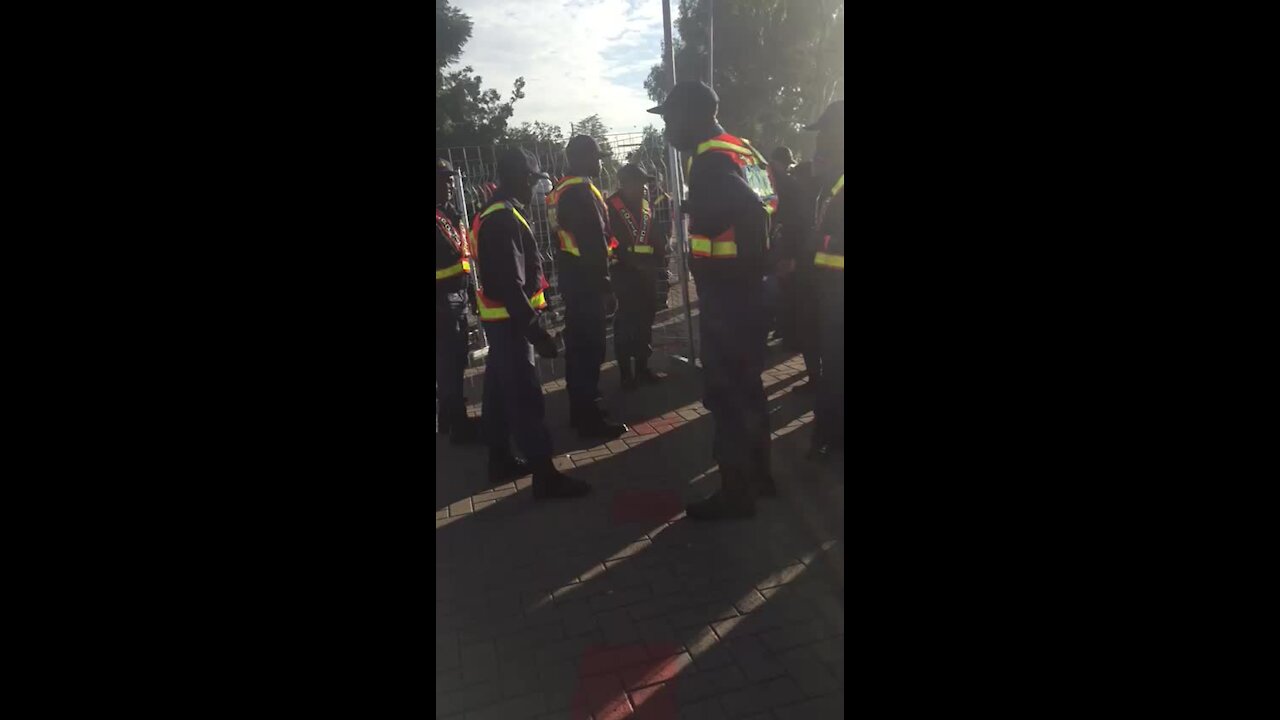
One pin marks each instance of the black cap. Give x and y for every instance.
(444, 168)
(632, 172)
(834, 115)
(516, 162)
(584, 146)
(690, 95)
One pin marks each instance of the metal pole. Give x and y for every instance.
(676, 183)
(711, 44)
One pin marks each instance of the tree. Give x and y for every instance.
(651, 153)
(778, 64)
(535, 133)
(466, 114)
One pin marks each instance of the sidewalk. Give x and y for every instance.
(614, 605)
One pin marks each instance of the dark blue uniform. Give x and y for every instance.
(584, 284)
(511, 274)
(733, 319)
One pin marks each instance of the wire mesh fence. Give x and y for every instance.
(478, 166)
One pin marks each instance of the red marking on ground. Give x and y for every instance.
(643, 429)
(648, 506)
(600, 693)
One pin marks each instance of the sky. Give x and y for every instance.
(578, 57)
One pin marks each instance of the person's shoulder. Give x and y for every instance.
(713, 163)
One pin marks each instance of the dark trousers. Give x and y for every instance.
(584, 333)
(807, 311)
(513, 403)
(637, 305)
(733, 327)
(829, 409)
(784, 323)
(451, 354)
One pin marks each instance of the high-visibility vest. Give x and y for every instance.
(459, 241)
(759, 177)
(492, 310)
(640, 244)
(826, 257)
(568, 243)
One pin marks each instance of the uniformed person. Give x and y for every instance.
(802, 241)
(730, 198)
(579, 220)
(828, 165)
(453, 287)
(781, 161)
(641, 254)
(510, 299)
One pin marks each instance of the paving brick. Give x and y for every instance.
(708, 709)
(810, 674)
(470, 698)
(480, 658)
(829, 707)
(655, 702)
(524, 707)
(790, 636)
(656, 671)
(751, 699)
(830, 651)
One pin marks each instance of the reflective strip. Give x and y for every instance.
(721, 145)
(492, 310)
(838, 186)
(642, 249)
(704, 246)
(827, 260)
(568, 244)
(452, 270)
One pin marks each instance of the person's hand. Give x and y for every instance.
(545, 345)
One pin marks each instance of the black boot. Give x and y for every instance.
(464, 431)
(596, 426)
(504, 467)
(550, 484)
(735, 499)
(645, 375)
(628, 375)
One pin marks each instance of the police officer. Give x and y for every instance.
(730, 197)
(510, 299)
(579, 220)
(453, 278)
(642, 257)
(785, 236)
(802, 243)
(828, 166)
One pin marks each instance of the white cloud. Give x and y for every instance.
(578, 58)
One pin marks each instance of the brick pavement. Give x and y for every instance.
(614, 605)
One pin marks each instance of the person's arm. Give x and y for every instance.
(581, 217)
(502, 266)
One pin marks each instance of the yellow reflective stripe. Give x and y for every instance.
(567, 244)
(452, 270)
(488, 314)
(835, 262)
(838, 186)
(721, 145)
(642, 249)
(491, 314)
(702, 246)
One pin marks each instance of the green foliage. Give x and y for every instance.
(778, 64)
(537, 132)
(466, 113)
